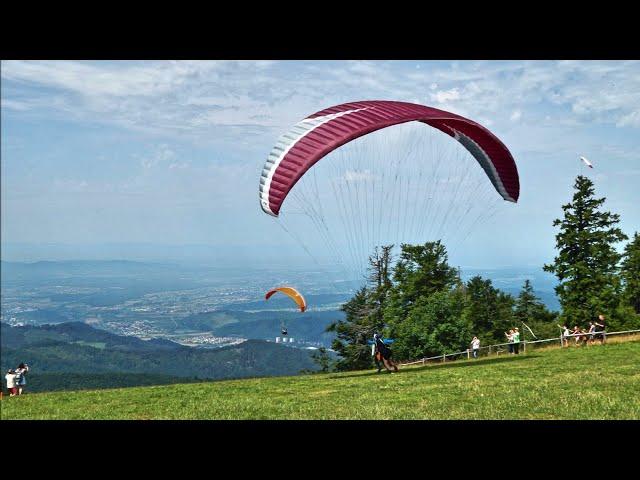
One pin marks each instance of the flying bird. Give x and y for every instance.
(586, 162)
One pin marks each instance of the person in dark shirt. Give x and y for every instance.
(377, 357)
(385, 353)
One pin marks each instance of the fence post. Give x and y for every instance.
(444, 357)
(468, 357)
(489, 350)
(524, 347)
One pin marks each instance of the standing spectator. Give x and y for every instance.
(516, 341)
(10, 377)
(602, 334)
(509, 336)
(592, 333)
(564, 335)
(21, 381)
(475, 346)
(576, 331)
(583, 338)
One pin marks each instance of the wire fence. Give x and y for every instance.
(582, 338)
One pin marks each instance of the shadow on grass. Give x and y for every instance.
(453, 364)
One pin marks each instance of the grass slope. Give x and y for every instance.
(597, 382)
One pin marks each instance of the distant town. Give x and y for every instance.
(134, 302)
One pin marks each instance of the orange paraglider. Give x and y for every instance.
(292, 293)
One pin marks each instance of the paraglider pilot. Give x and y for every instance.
(385, 353)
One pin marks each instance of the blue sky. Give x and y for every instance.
(107, 158)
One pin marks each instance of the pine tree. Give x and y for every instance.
(528, 306)
(631, 273)
(424, 309)
(380, 284)
(489, 310)
(364, 314)
(322, 358)
(435, 325)
(353, 332)
(482, 307)
(421, 271)
(587, 262)
(530, 310)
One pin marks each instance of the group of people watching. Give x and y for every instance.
(596, 331)
(16, 381)
(583, 336)
(513, 337)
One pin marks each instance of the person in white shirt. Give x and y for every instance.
(509, 336)
(564, 336)
(592, 333)
(10, 377)
(601, 334)
(475, 346)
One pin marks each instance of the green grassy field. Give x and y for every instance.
(597, 382)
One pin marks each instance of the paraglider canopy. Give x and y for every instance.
(359, 175)
(291, 293)
(317, 135)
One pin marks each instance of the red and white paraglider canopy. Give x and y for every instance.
(317, 135)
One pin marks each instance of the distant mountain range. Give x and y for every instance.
(75, 355)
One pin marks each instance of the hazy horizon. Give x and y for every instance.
(209, 255)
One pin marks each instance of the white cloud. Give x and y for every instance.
(15, 104)
(630, 120)
(161, 155)
(179, 166)
(241, 101)
(444, 96)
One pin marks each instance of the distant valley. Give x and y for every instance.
(200, 306)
